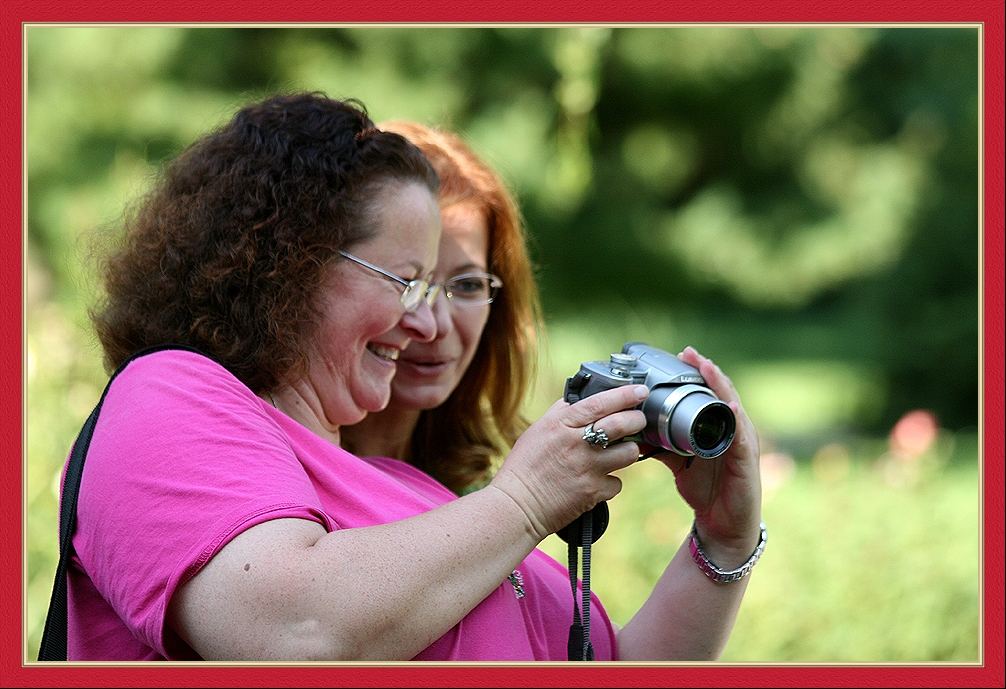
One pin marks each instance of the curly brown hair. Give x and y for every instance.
(227, 252)
(459, 442)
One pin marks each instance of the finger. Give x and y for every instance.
(674, 461)
(718, 381)
(612, 486)
(617, 456)
(620, 424)
(603, 403)
(745, 446)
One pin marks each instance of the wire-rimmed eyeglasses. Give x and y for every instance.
(415, 290)
(472, 289)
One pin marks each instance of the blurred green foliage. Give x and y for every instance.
(867, 559)
(792, 194)
(798, 202)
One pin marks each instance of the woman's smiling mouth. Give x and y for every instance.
(384, 352)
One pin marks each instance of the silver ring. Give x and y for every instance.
(595, 437)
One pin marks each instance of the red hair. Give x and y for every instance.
(459, 441)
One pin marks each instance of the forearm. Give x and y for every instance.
(419, 577)
(376, 593)
(688, 616)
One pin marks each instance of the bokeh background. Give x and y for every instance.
(800, 203)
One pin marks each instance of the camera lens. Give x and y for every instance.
(710, 428)
(688, 420)
(703, 425)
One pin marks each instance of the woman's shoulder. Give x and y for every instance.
(174, 374)
(179, 358)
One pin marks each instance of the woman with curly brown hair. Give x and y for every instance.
(292, 254)
(218, 517)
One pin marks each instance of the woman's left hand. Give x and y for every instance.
(725, 492)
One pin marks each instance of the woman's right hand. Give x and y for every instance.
(554, 475)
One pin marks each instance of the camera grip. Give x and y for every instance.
(574, 386)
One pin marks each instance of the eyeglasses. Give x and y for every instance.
(415, 290)
(472, 289)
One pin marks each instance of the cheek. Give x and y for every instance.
(371, 315)
(470, 330)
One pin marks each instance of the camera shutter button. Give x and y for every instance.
(621, 363)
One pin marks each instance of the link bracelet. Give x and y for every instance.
(725, 576)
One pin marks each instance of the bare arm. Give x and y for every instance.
(287, 589)
(687, 616)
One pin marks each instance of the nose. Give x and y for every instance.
(442, 313)
(421, 324)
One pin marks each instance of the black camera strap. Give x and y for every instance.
(54, 635)
(579, 646)
(579, 535)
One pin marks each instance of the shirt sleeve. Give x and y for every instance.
(184, 457)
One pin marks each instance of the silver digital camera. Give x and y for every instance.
(682, 414)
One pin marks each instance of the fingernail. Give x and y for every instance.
(642, 392)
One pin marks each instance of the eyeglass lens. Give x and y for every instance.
(473, 288)
(416, 291)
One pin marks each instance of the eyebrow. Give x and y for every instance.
(418, 270)
(469, 268)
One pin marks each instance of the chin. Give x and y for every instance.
(376, 403)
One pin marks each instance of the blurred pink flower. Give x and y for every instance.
(913, 434)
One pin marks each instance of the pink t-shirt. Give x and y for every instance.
(185, 457)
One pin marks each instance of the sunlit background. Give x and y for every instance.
(798, 203)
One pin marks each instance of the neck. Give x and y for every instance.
(299, 402)
(387, 433)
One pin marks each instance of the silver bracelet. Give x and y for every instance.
(725, 576)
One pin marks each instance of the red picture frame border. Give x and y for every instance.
(18, 671)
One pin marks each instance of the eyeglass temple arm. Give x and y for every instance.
(385, 273)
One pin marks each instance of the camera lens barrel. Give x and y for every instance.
(688, 420)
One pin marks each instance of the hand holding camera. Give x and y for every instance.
(682, 415)
(726, 493)
(554, 475)
(692, 411)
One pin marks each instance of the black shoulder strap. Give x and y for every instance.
(54, 636)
